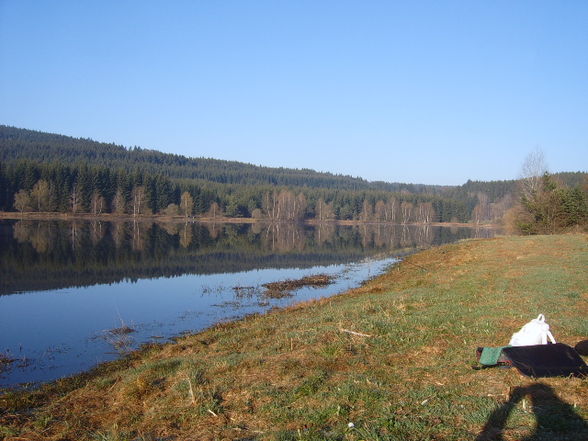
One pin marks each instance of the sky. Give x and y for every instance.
(432, 92)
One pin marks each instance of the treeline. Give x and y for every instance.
(48, 172)
(55, 187)
(16, 144)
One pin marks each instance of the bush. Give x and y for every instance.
(551, 208)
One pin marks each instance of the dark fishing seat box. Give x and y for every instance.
(550, 360)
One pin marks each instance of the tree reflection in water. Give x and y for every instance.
(82, 253)
(168, 278)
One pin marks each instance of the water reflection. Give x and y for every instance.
(91, 290)
(79, 253)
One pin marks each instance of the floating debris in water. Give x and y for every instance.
(245, 291)
(120, 338)
(276, 290)
(5, 361)
(121, 331)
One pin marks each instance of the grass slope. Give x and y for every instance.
(295, 375)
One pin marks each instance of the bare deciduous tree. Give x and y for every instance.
(186, 204)
(406, 209)
(532, 170)
(425, 212)
(97, 203)
(22, 200)
(171, 210)
(367, 211)
(380, 211)
(324, 211)
(214, 211)
(75, 198)
(391, 209)
(40, 195)
(138, 200)
(269, 205)
(284, 206)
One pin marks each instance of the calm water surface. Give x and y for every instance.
(72, 292)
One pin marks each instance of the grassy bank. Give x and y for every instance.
(299, 374)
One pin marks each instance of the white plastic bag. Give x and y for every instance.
(535, 332)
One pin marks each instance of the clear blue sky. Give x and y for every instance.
(415, 91)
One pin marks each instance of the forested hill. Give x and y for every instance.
(44, 147)
(46, 172)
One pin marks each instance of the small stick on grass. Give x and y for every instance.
(354, 333)
(191, 390)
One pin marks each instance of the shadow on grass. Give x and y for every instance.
(555, 419)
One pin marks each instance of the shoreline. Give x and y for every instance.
(274, 289)
(220, 220)
(404, 370)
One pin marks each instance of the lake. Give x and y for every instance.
(77, 293)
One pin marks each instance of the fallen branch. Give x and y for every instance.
(354, 333)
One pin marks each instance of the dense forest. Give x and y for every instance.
(46, 147)
(53, 173)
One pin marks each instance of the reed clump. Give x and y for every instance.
(285, 287)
